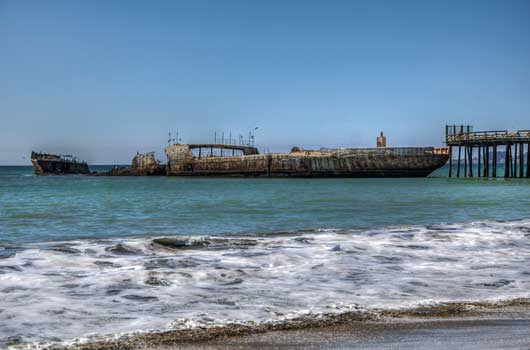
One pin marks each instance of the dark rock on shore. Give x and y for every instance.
(181, 243)
(154, 281)
(106, 264)
(64, 249)
(122, 249)
(7, 269)
(139, 297)
(4, 254)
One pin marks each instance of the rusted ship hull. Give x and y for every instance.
(367, 162)
(52, 164)
(142, 165)
(44, 167)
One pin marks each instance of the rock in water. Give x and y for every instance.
(181, 243)
(123, 249)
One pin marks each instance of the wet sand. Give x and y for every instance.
(473, 334)
(469, 325)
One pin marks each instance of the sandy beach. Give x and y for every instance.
(490, 326)
(441, 334)
(503, 325)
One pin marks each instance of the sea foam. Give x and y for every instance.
(59, 291)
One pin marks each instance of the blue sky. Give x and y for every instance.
(104, 79)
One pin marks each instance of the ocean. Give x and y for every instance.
(84, 258)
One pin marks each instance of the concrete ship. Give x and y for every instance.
(245, 161)
(46, 164)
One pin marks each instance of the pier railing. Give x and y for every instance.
(490, 137)
(389, 151)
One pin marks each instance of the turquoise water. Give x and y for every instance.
(36, 209)
(82, 257)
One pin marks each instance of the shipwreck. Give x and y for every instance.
(143, 164)
(221, 159)
(56, 164)
(228, 159)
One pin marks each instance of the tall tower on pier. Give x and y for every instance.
(381, 140)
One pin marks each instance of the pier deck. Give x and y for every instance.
(486, 144)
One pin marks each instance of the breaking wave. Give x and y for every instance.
(52, 293)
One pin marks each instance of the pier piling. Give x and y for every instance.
(494, 163)
(450, 160)
(458, 169)
(464, 137)
(486, 160)
(507, 162)
(515, 160)
(478, 169)
(466, 155)
(521, 160)
(470, 161)
(528, 161)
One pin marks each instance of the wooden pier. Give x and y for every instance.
(485, 145)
